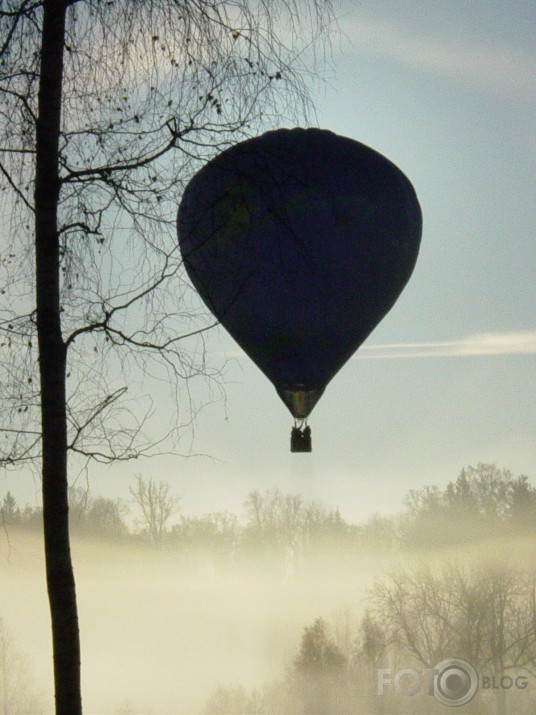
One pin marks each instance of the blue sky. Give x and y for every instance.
(446, 90)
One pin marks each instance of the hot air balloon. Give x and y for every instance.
(299, 241)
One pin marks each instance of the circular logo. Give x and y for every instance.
(456, 682)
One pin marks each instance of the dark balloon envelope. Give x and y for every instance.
(299, 241)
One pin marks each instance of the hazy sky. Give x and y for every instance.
(446, 90)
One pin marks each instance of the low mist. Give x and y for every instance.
(285, 608)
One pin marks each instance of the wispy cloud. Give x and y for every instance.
(502, 68)
(522, 342)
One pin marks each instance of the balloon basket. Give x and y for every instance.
(300, 439)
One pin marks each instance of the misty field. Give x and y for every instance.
(162, 633)
(288, 616)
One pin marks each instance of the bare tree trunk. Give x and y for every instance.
(52, 364)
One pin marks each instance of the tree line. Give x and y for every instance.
(482, 502)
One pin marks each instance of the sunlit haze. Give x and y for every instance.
(447, 91)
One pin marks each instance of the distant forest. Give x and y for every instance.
(427, 609)
(415, 620)
(482, 502)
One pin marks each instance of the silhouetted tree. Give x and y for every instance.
(371, 652)
(521, 509)
(483, 502)
(107, 108)
(218, 534)
(379, 533)
(10, 512)
(106, 518)
(157, 506)
(485, 614)
(96, 516)
(324, 529)
(319, 671)
(275, 521)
